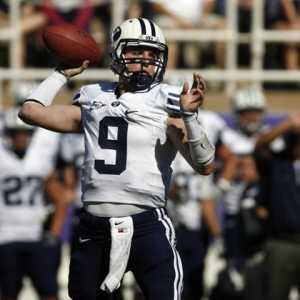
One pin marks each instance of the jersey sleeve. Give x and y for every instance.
(172, 94)
(89, 93)
(79, 98)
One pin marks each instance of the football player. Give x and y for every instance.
(192, 206)
(28, 157)
(248, 111)
(133, 129)
(72, 154)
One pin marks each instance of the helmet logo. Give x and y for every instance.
(149, 38)
(116, 34)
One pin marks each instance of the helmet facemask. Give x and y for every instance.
(250, 127)
(134, 37)
(252, 101)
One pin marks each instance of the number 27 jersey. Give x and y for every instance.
(127, 152)
(22, 207)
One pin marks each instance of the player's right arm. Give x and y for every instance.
(291, 124)
(38, 111)
(59, 118)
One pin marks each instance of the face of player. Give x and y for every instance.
(248, 170)
(250, 116)
(250, 120)
(19, 140)
(147, 54)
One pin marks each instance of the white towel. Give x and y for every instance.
(121, 235)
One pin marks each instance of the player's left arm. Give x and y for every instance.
(185, 132)
(177, 133)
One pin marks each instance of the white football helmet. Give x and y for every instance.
(138, 32)
(12, 123)
(247, 99)
(22, 91)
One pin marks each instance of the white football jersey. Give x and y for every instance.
(72, 152)
(213, 124)
(127, 152)
(187, 210)
(22, 207)
(241, 144)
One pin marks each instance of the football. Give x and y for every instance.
(71, 45)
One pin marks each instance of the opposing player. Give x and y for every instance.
(133, 129)
(28, 157)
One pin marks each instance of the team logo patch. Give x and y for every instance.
(96, 105)
(115, 104)
(116, 34)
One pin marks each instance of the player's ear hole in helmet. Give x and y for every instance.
(249, 101)
(138, 32)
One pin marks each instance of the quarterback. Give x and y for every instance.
(133, 129)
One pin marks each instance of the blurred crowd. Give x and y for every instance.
(96, 17)
(248, 208)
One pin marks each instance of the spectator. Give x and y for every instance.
(52, 12)
(194, 14)
(281, 196)
(36, 16)
(285, 15)
(26, 12)
(29, 234)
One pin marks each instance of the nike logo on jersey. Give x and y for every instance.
(118, 223)
(203, 146)
(96, 105)
(83, 240)
(130, 111)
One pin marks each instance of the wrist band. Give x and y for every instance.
(192, 126)
(45, 93)
(63, 72)
(202, 150)
(224, 185)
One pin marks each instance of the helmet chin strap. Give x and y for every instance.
(140, 82)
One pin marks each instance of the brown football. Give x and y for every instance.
(71, 45)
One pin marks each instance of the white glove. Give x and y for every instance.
(221, 188)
